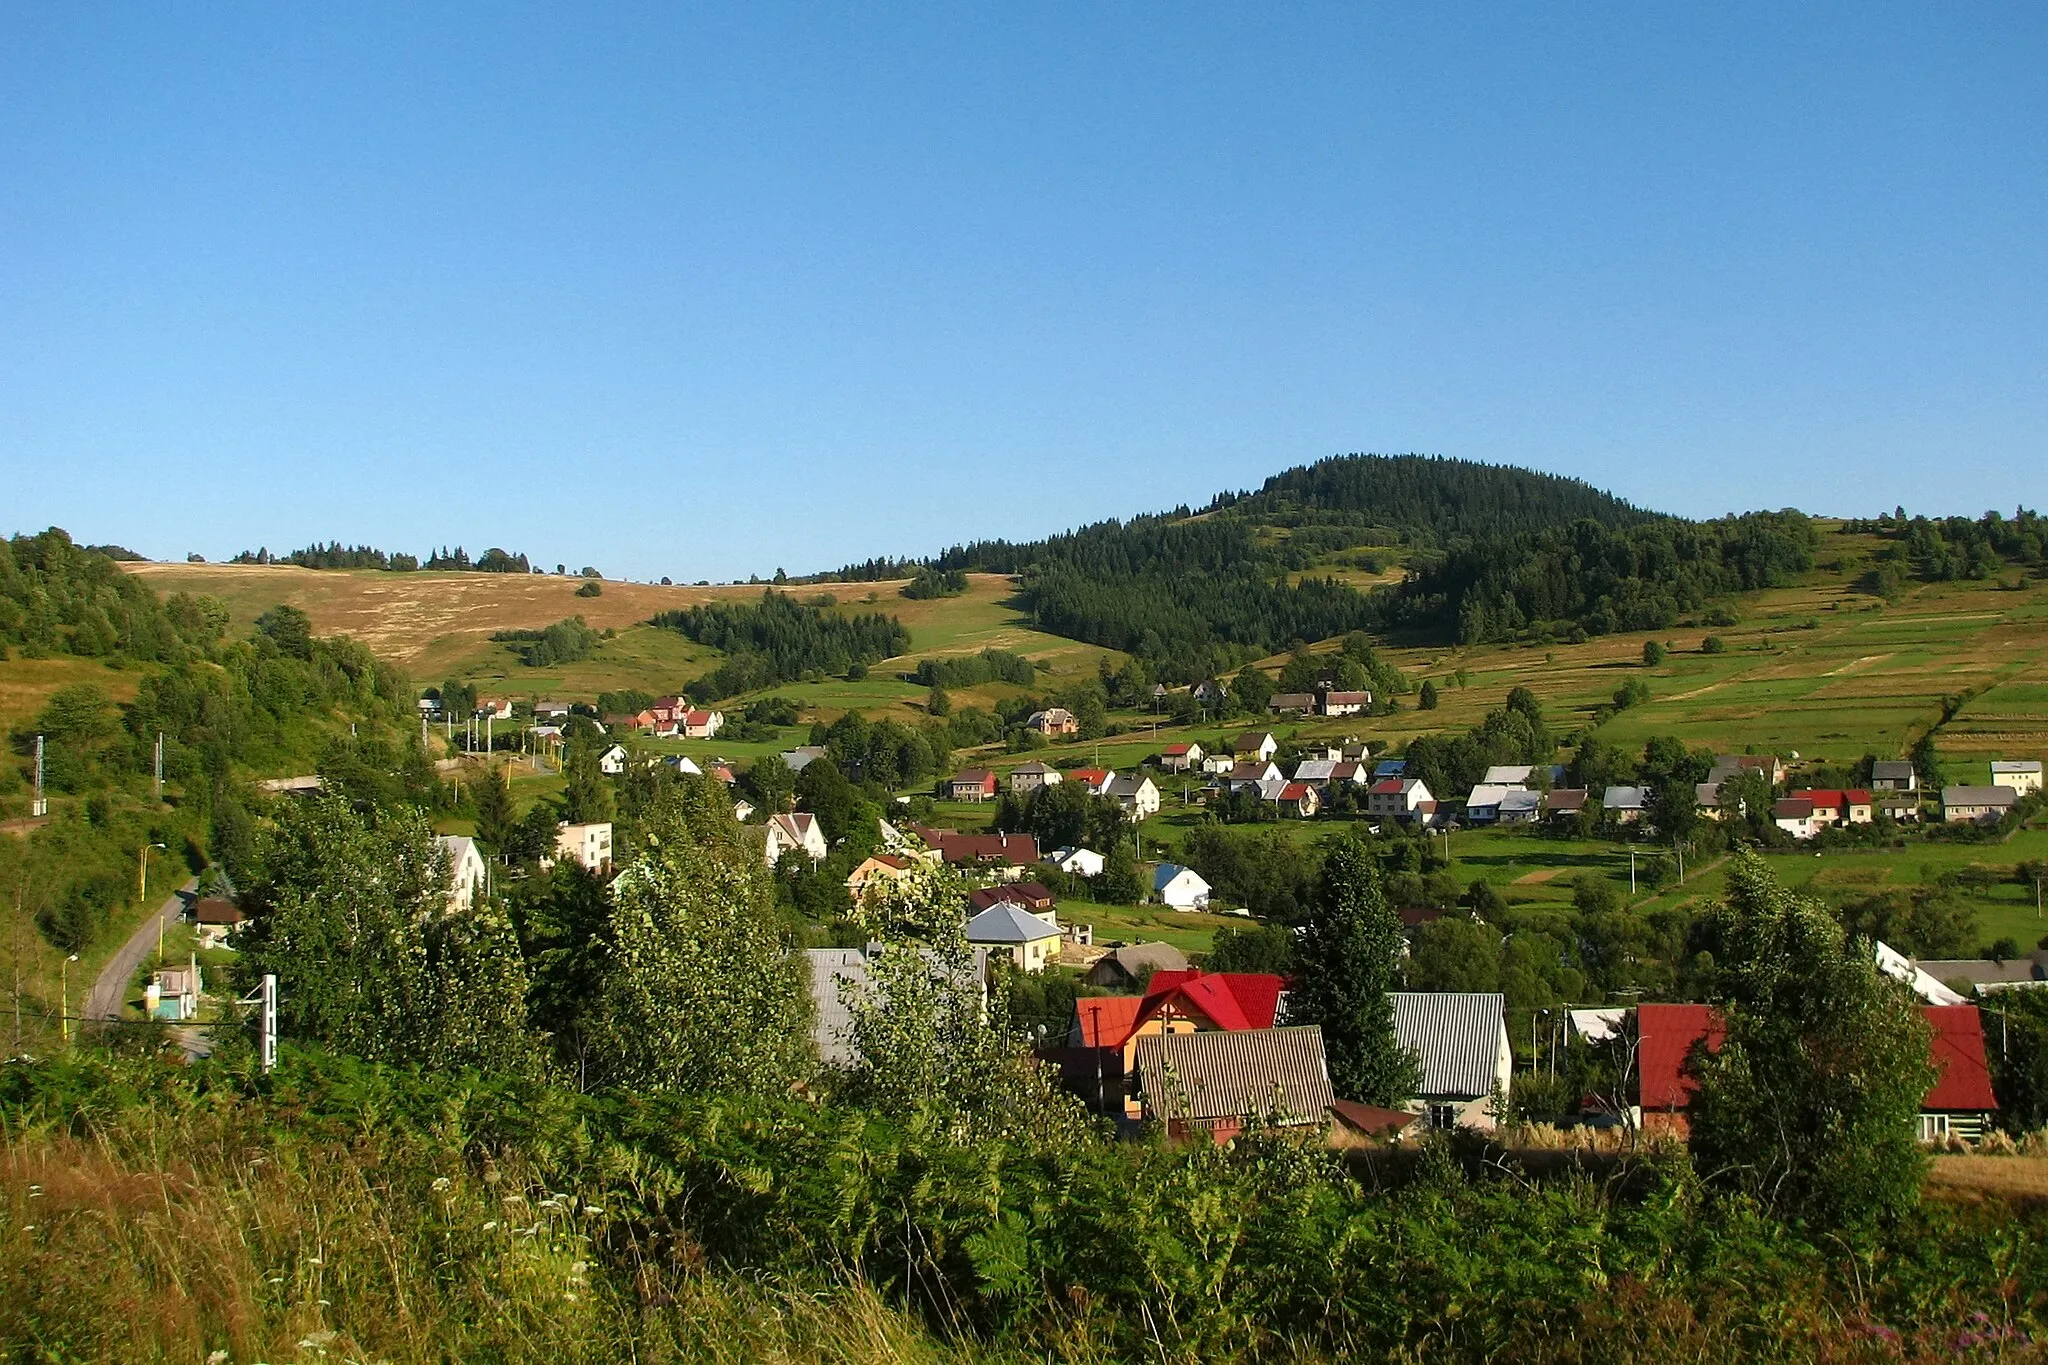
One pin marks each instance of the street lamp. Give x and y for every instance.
(64, 1013)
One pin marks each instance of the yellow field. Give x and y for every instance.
(25, 684)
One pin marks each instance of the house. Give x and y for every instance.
(1317, 771)
(976, 784)
(1210, 1083)
(1400, 798)
(1461, 1040)
(1056, 720)
(1351, 772)
(1011, 851)
(1094, 781)
(1258, 744)
(1988, 976)
(1183, 888)
(837, 974)
(1298, 799)
(742, 810)
(1852, 807)
(1136, 794)
(1354, 751)
(1899, 967)
(697, 724)
(1251, 774)
(1960, 1102)
(493, 708)
(1303, 703)
(1482, 803)
(1102, 1040)
(1565, 803)
(1625, 805)
(1134, 965)
(1029, 777)
(797, 830)
(1031, 896)
(1078, 862)
(612, 762)
(1795, 815)
(1180, 758)
(2023, 775)
(1767, 766)
(1977, 805)
(1894, 775)
(550, 710)
(1346, 703)
(173, 993)
(877, 870)
(216, 918)
(1217, 764)
(1371, 1121)
(1209, 692)
(720, 772)
(587, 846)
(1029, 940)
(1520, 806)
(1389, 767)
(803, 756)
(1711, 802)
(682, 765)
(467, 873)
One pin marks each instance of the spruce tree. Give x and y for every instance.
(494, 820)
(1347, 962)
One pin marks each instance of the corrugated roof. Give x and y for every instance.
(1958, 1054)
(1978, 796)
(1007, 924)
(1105, 1020)
(1456, 1035)
(1279, 1073)
(833, 1025)
(1667, 1033)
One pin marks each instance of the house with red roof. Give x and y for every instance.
(1094, 780)
(1190, 1001)
(1852, 807)
(1179, 758)
(1013, 852)
(1031, 896)
(1959, 1103)
(976, 784)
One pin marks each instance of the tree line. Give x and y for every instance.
(780, 639)
(335, 555)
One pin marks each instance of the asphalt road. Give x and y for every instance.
(110, 991)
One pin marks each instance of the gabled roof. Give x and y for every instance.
(1388, 786)
(1094, 777)
(1891, 770)
(1252, 739)
(1567, 798)
(1295, 791)
(1027, 894)
(1626, 798)
(1832, 799)
(1034, 768)
(1521, 799)
(217, 910)
(1281, 1073)
(1106, 1020)
(796, 824)
(2016, 765)
(1177, 750)
(1792, 808)
(1958, 1054)
(833, 1025)
(1314, 770)
(1230, 1000)
(1487, 796)
(1128, 784)
(1457, 1035)
(1508, 775)
(980, 777)
(1666, 1034)
(1007, 924)
(1978, 796)
(1390, 767)
(1167, 872)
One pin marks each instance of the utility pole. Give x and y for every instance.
(1631, 872)
(159, 765)
(64, 1000)
(42, 803)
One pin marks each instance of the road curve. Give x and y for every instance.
(110, 991)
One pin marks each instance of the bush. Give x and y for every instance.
(1713, 644)
(591, 588)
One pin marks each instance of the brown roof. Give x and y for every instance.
(1272, 1072)
(1372, 1120)
(215, 910)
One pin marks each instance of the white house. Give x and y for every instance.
(1078, 862)
(1977, 805)
(466, 869)
(1253, 775)
(702, 724)
(493, 708)
(2023, 775)
(1462, 1042)
(588, 846)
(1218, 763)
(1258, 744)
(1136, 794)
(1183, 888)
(1795, 815)
(684, 765)
(1399, 798)
(798, 829)
(1520, 806)
(1482, 803)
(1030, 940)
(1179, 758)
(612, 761)
(1625, 805)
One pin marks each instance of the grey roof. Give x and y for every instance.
(1508, 775)
(1280, 1073)
(1127, 784)
(1140, 957)
(1978, 796)
(1983, 971)
(1456, 1035)
(1005, 923)
(2015, 765)
(1891, 770)
(1522, 800)
(1625, 798)
(834, 1024)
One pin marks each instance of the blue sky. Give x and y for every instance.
(707, 292)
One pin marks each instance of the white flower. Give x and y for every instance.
(442, 1182)
(491, 1226)
(216, 1358)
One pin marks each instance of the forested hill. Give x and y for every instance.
(1199, 592)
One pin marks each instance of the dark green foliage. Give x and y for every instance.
(1452, 764)
(586, 794)
(1923, 922)
(564, 642)
(626, 702)
(2016, 1027)
(1347, 960)
(1653, 653)
(1264, 948)
(1427, 700)
(590, 588)
(1266, 873)
(931, 582)
(1944, 548)
(333, 556)
(1120, 882)
(1455, 954)
(1063, 815)
(1809, 1104)
(779, 639)
(991, 665)
(494, 816)
(1713, 644)
(59, 598)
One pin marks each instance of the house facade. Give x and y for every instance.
(1346, 703)
(1180, 758)
(976, 785)
(1258, 744)
(1136, 794)
(1399, 798)
(794, 831)
(467, 872)
(2023, 775)
(1053, 721)
(1182, 888)
(1028, 940)
(1210, 1084)
(1977, 805)
(588, 846)
(1461, 1040)
(1026, 778)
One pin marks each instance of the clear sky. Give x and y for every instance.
(705, 292)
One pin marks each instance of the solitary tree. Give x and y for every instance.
(494, 820)
(1428, 699)
(1348, 960)
(1809, 1104)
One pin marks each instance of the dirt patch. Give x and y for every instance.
(1857, 665)
(1539, 876)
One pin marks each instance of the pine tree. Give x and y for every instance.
(494, 821)
(586, 795)
(1347, 962)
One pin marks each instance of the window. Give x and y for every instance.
(1933, 1127)
(1443, 1117)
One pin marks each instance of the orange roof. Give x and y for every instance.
(1106, 1020)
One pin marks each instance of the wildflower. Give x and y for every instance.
(442, 1182)
(491, 1226)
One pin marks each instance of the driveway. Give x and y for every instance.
(110, 992)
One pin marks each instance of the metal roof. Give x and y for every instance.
(1006, 923)
(833, 1026)
(1457, 1036)
(1279, 1073)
